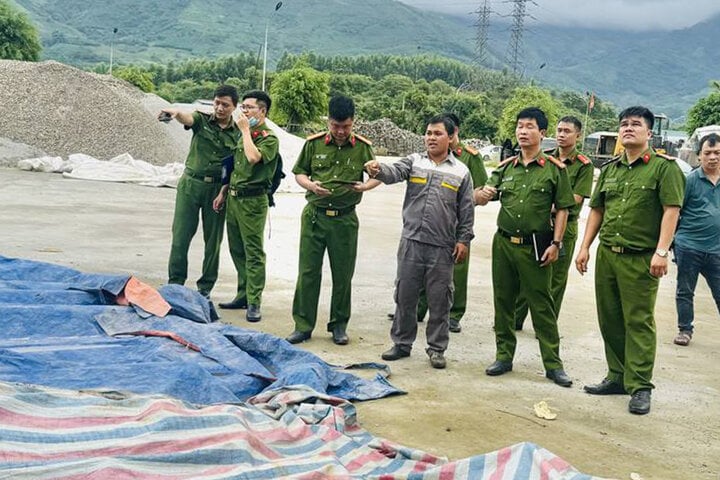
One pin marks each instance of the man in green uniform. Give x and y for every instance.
(635, 208)
(330, 168)
(471, 158)
(214, 137)
(580, 171)
(253, 169)
(527, 243)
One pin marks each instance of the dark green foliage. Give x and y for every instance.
(705, 112)
(18, 36)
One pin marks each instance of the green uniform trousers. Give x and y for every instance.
(625, 293)
(559, 277)
(246, 218)
(460, 283)
(339, 236)
(194, 201)
(515, 272)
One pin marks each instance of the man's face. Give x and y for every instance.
(710, 157)
(567, 135)
(250, 108)
(223, 107)
(437, 140)
(634, 132)
(528, 133)
(340, 130)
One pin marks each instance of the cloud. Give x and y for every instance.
(614, 14)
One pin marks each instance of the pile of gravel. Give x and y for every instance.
(388, 138)
(58, 110)
(12, 152)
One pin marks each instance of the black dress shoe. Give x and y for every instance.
(395, 353)
(236, 304)
(498, 367)
(253, 314)
(297, 337)
(640, 402)
(455, 326)
(606, 387)
(339, 336)
(560, 377)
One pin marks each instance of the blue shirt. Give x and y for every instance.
(699, 227)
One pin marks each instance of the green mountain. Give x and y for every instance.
(667, 71)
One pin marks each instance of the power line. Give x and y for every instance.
(516, 34)
(482, 24)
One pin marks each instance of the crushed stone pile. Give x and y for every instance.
(388, 138)
(60, 110)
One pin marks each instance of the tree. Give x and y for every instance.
(18, 36)
(141, 79)
(705, 112)
(299, 96)
(524, 97)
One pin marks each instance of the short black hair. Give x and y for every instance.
(449, 125)
(341, 108)
(263, 99)
(536, 114)
(227, 91)
(571, 119)
(453, 118)
(638, 111)
(711, 139)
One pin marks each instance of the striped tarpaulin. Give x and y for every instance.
(291, 432)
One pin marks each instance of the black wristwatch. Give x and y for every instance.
(557, 243)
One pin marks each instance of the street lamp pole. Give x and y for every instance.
(112, 47)
(267, 25)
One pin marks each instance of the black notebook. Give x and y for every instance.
(540, 243)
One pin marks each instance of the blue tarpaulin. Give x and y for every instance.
(61, 328)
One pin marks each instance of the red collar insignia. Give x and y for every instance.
(541, 161)
(328, 139)
(458, 151)
(646, 158)
(352, 140)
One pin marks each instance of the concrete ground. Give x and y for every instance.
(457, 412)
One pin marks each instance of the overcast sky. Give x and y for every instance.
(623, 14)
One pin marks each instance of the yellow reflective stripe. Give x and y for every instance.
(451, 187)
(420, 180)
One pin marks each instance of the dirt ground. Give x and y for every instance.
(457, 412)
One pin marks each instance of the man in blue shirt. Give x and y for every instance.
(697, 241)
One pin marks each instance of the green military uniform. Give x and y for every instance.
(472, 159)
(196, 190)
(247, 208)
(526, 194)
(329, 222)
(580, 171)
(633, 197)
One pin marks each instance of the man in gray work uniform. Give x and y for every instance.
(438, 220)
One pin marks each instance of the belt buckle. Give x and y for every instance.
(332, 213)
(208, 179)
(516, 240)
(233, 193)
(617, 249)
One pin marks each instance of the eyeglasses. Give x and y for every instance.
(247, 107)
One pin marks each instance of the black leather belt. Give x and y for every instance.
(628, 250)
(334, 213)
(203, 178)
(248, 192)
(517, 240)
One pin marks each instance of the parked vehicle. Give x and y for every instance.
(601, 147)
(490, 153)
(689, 148)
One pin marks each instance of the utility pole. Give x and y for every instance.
(516, 34)
(112, 48)
(482, 25)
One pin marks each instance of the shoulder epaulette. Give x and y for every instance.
(666, 157)
(471, 150)
(363, 139)
(583, 159)
(507, 161)
(315, 135)
(557, 162)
